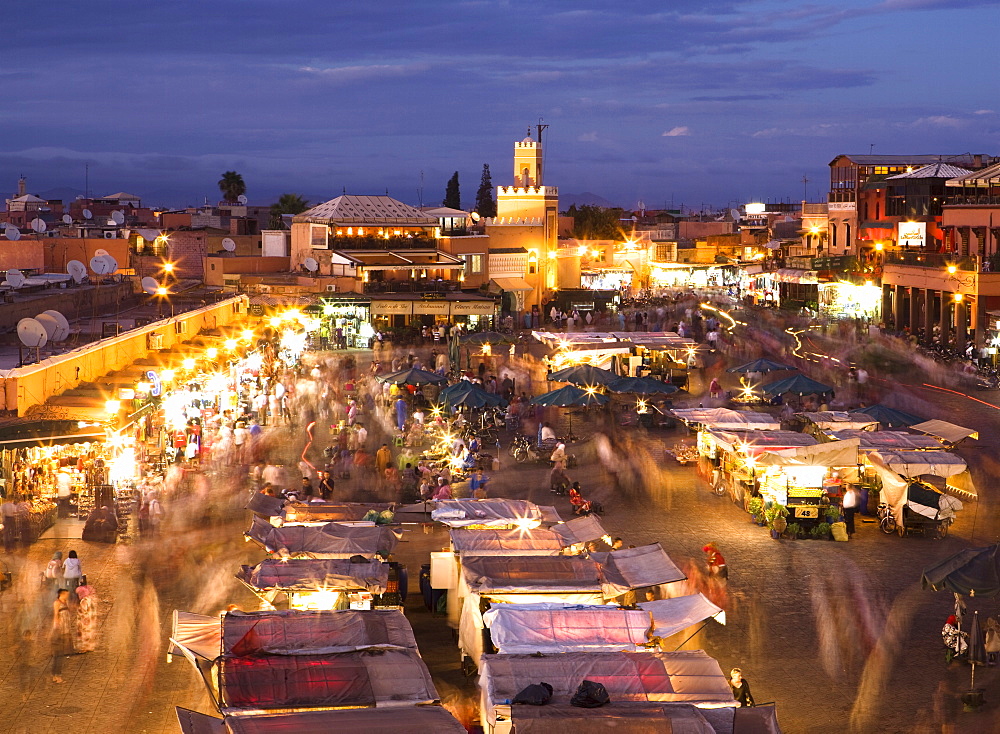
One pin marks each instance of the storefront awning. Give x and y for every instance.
(794, 275)
(946, 431)
(509, 284)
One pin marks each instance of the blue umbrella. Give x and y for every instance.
(971, 571)
(890, 417)
(761, 365)
(798, 385)
(583, 374)
(471, 396)
(413, 376)
(642, 386)
(570, 396)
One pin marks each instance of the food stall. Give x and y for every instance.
(728, 459)
(368, 720)
(817, 423)
(310, 584)
(724, 419)
(494, 513)
(503, 542)
(646, 690)
(326, 540)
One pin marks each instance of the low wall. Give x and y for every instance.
(73, 303)
(33, 384)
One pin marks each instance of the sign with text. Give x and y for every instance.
(912, 234)
(392, 308)
(439, 308)
(472, 308)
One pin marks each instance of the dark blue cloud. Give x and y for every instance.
(315, 96)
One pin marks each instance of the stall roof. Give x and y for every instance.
(531, 574)
(836, 420)
(531, 628)
(670, 616)
(833, 453)
(890, 440)
(633, 568)
(370, 721)
(331, 511)
(579, 530)
(724, 418)
(306, 574)
(459, 513)
(758, 442)
(265, 505)
(946, 431)
(243, 634)
(690, 676)
(497, 542)
(332, 540)
(359, 678)
(916, 463)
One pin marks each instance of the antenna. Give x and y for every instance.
(871, 148)
(15, 278)
(310, 264)
(77, 270)
(242, 199)
(229, 244)
(420, 190)
(805, 182)
(540, 128)
(86, 181)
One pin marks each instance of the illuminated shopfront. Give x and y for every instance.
(841, 299)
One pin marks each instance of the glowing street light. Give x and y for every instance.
(111, 407)
(230, 344)
(188, 363)
(211, 352)
(952, 269)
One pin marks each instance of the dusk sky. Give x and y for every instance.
(693, 102)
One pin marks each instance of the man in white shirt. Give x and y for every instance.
(65, 490)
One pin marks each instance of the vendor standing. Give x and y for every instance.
(64, 492)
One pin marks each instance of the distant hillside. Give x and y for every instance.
(586, 198)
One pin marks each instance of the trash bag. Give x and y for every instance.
(537, 694)
(839, 530)
(590, 695)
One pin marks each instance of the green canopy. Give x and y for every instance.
(761, 365)
(469, 395)
(570, 396)
(642, 386)
(890, 417)
(413, 376)
(797, 385)
(583, 374)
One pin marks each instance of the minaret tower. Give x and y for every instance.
(527, 162)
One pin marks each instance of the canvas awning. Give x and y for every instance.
(265, 505)
(370, 721)
(634, 568)
(332, 540)
(197, 633)
(330, 511)
(916, 463)
(489, 575)
(757, 442)
(723, 419)
(889, 440)
(304, 574)
(492, 542)
(839, 420)
(946, 431)
(671, 616)
(459, 513)
(834, 453)
(509, 284)
(579, 530)
(530, 628)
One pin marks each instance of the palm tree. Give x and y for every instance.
(287, 204)
(232, 187)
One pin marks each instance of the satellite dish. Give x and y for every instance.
(242, 199)
(149, 285)
(31, 333)
(475, 216)
(67, 219)
(50, 325)
(15, 278)
(87, 214)
(311, 265)
(61, 321)
(118, 217)
(38, 225)
(12, 233)
(735, 214)
(229, 244)
(100, 265)
(112, 263)
(101, 252)
(77, 270)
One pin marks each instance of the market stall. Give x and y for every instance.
(728, 459)
(502, 542)
(328, 540)
(725, 419)
(887, 440)
(815, 423)
(552, 628)
(633, 681)
(495, 513)
(308, 584)
(368, 720)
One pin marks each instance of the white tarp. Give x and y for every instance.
(833, 453)
(840, 420)
(579, 530)
(916, 463)
(945, 431)
(726, 419)
(489, 575)
(757, 442)
(529, 628)
(496, 542)
(634, 568)
(200, 634)
(633, 718)
(888, 440)
(460, 513)
(670, 616)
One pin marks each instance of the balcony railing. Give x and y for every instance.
(412, 286)
(973, 200)
(937, 260)
(382, 243)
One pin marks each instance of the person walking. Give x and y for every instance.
(86, 619)
(61, 633)
(383, 459)
(54, 570)
(740, 688)
(717, 567)
(71, 571)
(850, 505)
(401, 412)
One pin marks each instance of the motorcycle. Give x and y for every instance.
(522, 450)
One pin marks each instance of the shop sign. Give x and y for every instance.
(431, 307)
(126, 393)
(154, 381)
(391, 308)
(472, 308)
(256, 309)
(912, 234)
